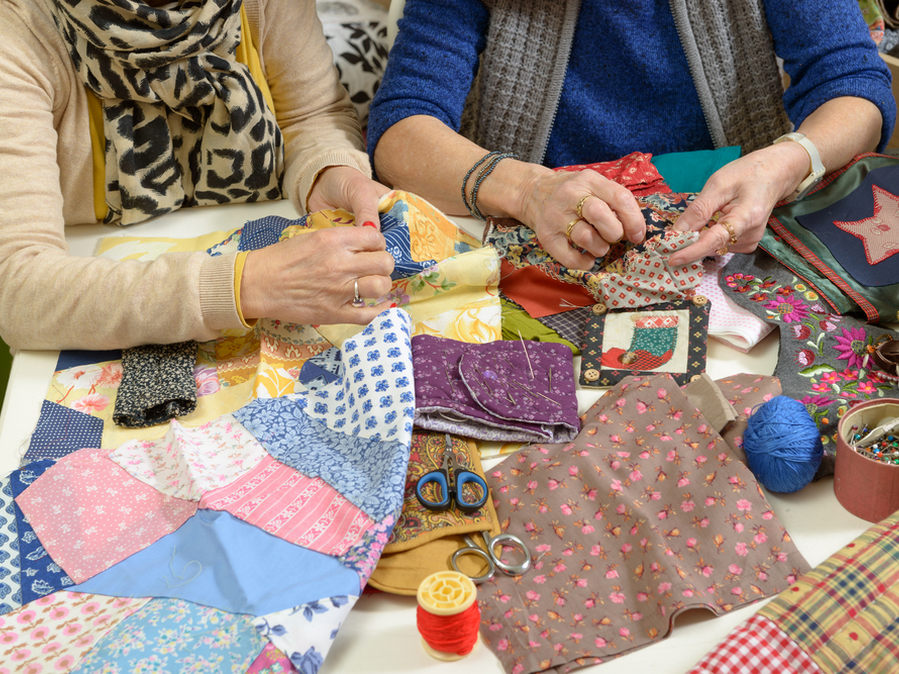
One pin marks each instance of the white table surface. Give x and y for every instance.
(380, 633)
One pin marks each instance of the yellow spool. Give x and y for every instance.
(445, 593)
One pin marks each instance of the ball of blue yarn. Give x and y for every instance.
(783, 445)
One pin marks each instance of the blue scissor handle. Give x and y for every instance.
(462, 478)
(440, 478)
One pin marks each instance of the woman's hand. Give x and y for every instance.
(347, 188)
(312, 278)
(743, 193)
(580, 210)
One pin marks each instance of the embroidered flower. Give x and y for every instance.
(851, 347)
(789, 307)
(805, 357)
(828, 324)
(785, 290)
(812, 403)
(831, 377)
(801, 331)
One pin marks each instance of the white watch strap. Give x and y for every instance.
(817, 172)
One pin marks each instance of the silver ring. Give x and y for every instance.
(357, 298)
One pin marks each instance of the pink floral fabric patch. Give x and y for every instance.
(297, 508)
(89, 513)
(190, 461)
(53, 633)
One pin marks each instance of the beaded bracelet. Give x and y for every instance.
(494, 157)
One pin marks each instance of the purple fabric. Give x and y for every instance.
(515, 391)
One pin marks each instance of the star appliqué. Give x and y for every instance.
(880, 232)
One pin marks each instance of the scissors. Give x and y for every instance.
(489, 555)
(450, 480)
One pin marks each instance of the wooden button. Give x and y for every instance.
(700, 300)
(591, 375)
(599, 308)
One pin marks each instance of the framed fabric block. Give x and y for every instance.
(668, 337)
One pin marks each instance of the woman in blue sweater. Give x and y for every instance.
(562, 82)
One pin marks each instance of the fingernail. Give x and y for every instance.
(369, 223)
(393, 305)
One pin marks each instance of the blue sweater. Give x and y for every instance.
(627, 86)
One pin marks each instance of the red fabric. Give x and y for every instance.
(635, 171)
(540, 294)
(756, 646)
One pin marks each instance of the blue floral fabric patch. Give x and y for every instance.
(38, 574)
(305, 632)
(209, 640)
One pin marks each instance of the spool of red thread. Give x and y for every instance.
(448, 616)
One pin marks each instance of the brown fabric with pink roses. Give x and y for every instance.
(645, 514)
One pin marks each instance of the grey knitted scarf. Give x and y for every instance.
(727, 43)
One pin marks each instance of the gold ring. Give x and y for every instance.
(579, 209)
(569, 228)
(730, 230)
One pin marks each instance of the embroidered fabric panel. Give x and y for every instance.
(642, 515)
(630, 275)
(756, 646)
(55, 632)
(843, 612)
(823, 359)
(669, 337)
(728, 321)
(61, 430)
(209, 641)
(305, 633)
(264, 573)
(38, 572)
(861, 230)
(287, 504)
(505, 390)
(190, 461)
(89, 513)
(157, 384)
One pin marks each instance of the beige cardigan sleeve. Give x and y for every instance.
(50, 299)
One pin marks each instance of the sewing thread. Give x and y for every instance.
(448, 615)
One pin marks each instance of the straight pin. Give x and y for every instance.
(526, 355)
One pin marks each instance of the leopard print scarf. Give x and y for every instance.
(185, 124)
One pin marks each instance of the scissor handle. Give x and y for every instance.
(462, 478)
(512, 541)
(473, 549)
(438, 477)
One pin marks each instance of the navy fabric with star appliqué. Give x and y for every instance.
(861, 230)
(841, 238)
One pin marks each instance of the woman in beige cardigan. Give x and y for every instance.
(153, 106)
